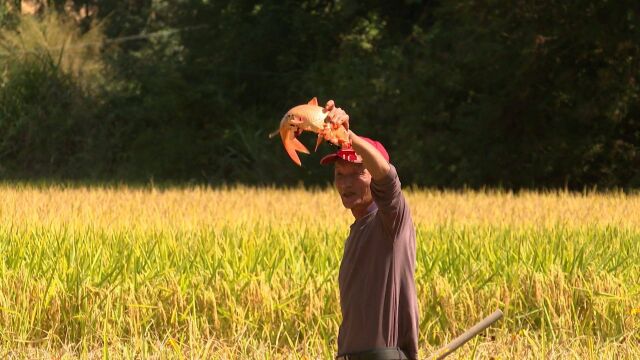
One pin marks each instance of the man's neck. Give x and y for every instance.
(361, 211)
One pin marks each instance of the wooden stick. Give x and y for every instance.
(466, 336)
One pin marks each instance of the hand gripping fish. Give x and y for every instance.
(309, 117)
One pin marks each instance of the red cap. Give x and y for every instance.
(350, 154)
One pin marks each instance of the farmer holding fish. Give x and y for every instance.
(377, 288)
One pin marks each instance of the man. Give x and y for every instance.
(377, 289)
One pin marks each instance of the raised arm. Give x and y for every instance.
(371, 158)
(385, 184)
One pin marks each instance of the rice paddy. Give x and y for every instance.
(251, 273)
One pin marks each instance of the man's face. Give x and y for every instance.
(353, 181)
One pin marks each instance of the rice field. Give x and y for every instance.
(251, 273)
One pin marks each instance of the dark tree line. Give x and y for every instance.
(518, 94)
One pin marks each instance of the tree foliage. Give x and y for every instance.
(476, 93)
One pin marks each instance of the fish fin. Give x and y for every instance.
(319, 141)
(300, 146)
(291, 145)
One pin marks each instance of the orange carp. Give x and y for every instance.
(309, 117)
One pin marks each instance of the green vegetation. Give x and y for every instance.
(139, 273)
(474, 93)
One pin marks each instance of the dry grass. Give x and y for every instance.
(252, 273)
(192, 208)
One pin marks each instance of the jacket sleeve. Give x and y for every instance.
(392, 206)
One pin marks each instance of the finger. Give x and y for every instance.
(330, 105)
(342, 120)
(332, 115)
(345, 122)
(340, 115)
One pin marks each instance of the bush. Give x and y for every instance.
(50, 73)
